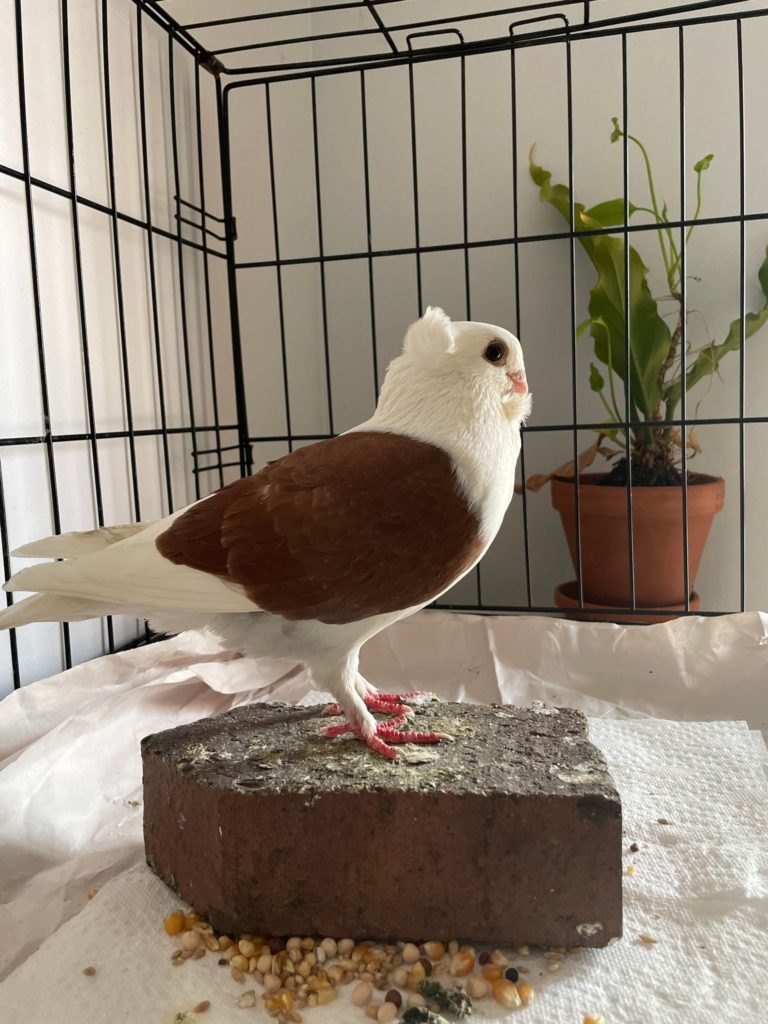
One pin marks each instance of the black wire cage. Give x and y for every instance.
(218, 221)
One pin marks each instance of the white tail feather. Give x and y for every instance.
(133, 574)
(71, 545)
(52, 608)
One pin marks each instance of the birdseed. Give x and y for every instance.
(202, 1007)
(303, 972)
(89, 971)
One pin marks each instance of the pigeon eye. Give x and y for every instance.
(495, 352)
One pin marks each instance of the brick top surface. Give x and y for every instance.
(273, 748)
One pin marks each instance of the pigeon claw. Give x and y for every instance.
(391, 730)
(386, 734)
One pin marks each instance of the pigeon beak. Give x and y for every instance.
(519, 383)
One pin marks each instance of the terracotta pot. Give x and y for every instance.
(657, 526)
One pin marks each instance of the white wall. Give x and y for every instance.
(711, 107)
(711, 111)
(25, 474)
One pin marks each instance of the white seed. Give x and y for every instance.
(271, 982)
(400, 977)
(553, 966)
(453, 947)
(247, 999)
(362, 994)
(411, 953)
(246, 948)
(240, 962)
(293, 943)
(498, 958)
(264, 964)
(329, 947)
(477, 988)
(190, 940)
(320, 954)
(345, 947)
(387, 1011)
(522, 950)
(415, 999)
(434, 950)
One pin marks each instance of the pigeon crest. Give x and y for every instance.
(431, 335)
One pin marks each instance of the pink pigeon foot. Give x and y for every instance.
(388, 703)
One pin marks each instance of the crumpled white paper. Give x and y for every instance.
(70, 810)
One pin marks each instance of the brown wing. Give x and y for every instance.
(358, 525)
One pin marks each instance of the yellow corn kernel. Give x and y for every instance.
(463, 963)
(505, 992)
(525, 991)
(493, 973)
(174, 923)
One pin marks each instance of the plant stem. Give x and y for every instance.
(655, 204)
(695, 217)
(671, 356)
(610, 385)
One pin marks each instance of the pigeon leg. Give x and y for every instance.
(383, 702)
(389, 731)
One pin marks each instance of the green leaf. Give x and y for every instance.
(703, 164)
(596, 379)
(609, 213)
(762, 274)
(708, 361)
(650, 337)
(617, 133)
(582, 327)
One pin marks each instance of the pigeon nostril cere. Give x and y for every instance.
(519, 383)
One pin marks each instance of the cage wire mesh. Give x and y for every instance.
(217, 226)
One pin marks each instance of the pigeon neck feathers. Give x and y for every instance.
(480, 436)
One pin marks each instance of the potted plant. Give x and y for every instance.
(650, 384)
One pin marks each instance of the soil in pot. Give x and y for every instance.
(657, 526)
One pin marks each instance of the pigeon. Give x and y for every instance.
(322, 549)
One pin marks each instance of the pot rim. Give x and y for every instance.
(591, 480)
(704, 498)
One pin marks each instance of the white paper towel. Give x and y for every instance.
(700, 887)
(70, 814)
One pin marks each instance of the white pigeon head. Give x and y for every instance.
(478, 368)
